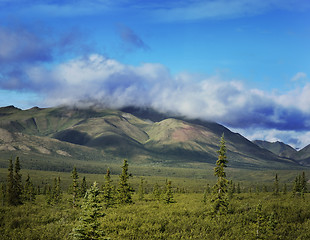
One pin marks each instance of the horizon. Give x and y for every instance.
(243, 64)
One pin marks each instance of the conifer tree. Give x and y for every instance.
(75, 185)
(303, 182)
(83, 188)
(168, 195)
(108, 190)
(3, 193)
(156, 192)
(18, 186)
(58, 191)
(276, 185)
(55, 194)
(124, 190)
(89, 226)
(29, 192)
(10, 184)
(219, 198)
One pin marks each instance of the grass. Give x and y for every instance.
(281, 217)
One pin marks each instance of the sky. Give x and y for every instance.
(242, 63)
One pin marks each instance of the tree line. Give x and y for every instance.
(95, 201)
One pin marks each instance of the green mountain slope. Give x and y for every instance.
(303, 156)
(278, 148)
(143, 136)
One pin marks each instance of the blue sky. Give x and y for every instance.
(242, 63)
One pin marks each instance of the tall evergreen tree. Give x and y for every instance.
(303, 182)
(89, 226)
(2, 193)
(276, 185)
(29, 191)
(108, 190)
(83, 188)
(75, 185)
(18, 185)
(219, 198)
(124, 189)
(55, 194)
(10, 184)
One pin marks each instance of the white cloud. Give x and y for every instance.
(298, 76)
(97, 79)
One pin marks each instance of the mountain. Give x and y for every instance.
(62, 137)
(303, 156)
(279, 148)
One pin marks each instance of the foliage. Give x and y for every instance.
(156, 192)
(14, 183)
(29, 191)
(55, 193)
(300, 184)
(276, 185)
(124, 189)
(108, 191)
(75, 185)
(141, 190)
(219, 197)
(88, 227)
(168, 194)
(83, 188)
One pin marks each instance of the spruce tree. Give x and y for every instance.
(55, 194)
(276, 185)
(89, 226)
(75, 185)
(3, 193)
(108, 190)
(124, 190)
(10, 185)
(156, 192)
(303, 182)
(168, 195)
(219, 198)
(18, 186)
(29, 191)
(83, 188)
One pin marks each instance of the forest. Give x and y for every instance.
(128, 207)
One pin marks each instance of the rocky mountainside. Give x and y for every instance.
(144, 136)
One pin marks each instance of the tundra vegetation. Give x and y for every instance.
(126, 207)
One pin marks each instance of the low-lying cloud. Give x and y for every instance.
(102, 80)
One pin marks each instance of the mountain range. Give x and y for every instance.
(59, 138)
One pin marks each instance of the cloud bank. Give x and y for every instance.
(97, 79)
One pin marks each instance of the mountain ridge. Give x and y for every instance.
(142, 135)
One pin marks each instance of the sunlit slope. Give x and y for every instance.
(108, 135)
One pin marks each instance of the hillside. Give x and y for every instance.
(303, 156)
(100, 136)
(279, 148)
